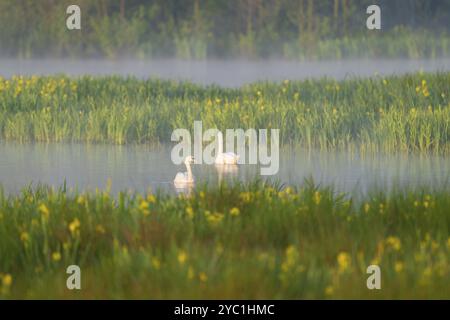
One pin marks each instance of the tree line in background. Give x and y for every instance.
(199, 29)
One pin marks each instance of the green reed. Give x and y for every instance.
(256, 240)
(403, 113)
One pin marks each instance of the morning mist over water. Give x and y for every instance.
(227, 73)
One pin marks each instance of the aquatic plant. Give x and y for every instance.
(409, 113)
(255, 240)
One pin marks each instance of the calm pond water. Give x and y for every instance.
(229, 73)
(139, 168)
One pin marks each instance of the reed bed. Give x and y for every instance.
(139, 29)
(408, 113)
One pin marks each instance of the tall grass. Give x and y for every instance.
(408, 113)
(242, 241)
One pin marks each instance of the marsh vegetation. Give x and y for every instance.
(229, 240)
(407, 113)
(254, 240)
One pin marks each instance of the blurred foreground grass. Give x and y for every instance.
(243, 241)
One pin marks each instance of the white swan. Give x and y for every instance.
(227, 157)
(183, 179)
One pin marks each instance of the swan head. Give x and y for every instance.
(189, 160)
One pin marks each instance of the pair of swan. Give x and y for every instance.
(184, 179)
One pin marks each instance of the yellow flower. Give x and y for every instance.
(81, 200)
(316, 197)
(290, 260)
(56, 256)
(143, 205)
(366, 207)
(182, 257)
(235, 211)
(156, 263)
(190, 212)
(344, 261)
(394, 242)
(100, 229)
(203, 277)
(329, 291)
(7, 280)
(245, 197)
(215, 218)
(151, 198)
(44, 210)
(24, 236)
(74, 226)
(290, 251)
(398, 267)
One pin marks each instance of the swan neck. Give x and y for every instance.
(220, 142)
(189, 170)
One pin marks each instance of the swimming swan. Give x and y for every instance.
(227, 157)
(183, 179)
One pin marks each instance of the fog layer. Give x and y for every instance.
(228, 73)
